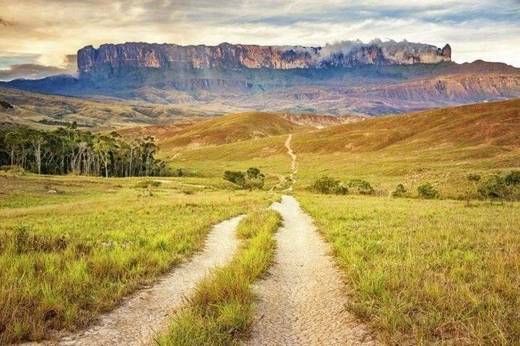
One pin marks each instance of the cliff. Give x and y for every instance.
(114, 59)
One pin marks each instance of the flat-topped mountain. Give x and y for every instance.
(116, 59)
(351, 77)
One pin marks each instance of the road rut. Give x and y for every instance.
(303, 300)
(139, 318)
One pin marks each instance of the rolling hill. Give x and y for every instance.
(440, 145)
(49, 111)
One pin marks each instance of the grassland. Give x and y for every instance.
(440, 146)
(420, 271)
(221, 310)
(72, 247)
(427, 272)
(50, 111)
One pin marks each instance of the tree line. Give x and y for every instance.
(70, 150)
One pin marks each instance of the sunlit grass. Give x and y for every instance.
(221, 311)
(428, 271)
(64, 261)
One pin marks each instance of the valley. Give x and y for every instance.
(131, 237)
(293, 173)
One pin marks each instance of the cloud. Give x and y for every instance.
(32, 71)
(52, 29)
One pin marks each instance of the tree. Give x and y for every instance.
(37, 140)
(329, 185)
(69, 149)
(399, 191)
(427, 191)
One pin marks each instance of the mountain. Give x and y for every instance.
(117, 60)
(346, 78)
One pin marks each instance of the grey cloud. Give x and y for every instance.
(32, 71)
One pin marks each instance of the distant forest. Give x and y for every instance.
(70, 150)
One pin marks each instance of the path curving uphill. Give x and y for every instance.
(302, 301)
(141, 317)
(294, 164)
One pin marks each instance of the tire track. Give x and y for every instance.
(139, 318)
(303, 300)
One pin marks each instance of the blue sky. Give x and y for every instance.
(44, 32)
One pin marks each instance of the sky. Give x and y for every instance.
(40, 37)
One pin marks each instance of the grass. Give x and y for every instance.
(427, 271)
(65, 260)
(221, 310)
(440, 146)
(229, 129)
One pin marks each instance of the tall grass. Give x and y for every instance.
(220, 312)
(427, 271)
(61, 264)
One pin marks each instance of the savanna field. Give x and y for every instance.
(420, 214)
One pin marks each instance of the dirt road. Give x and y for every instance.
(302, 300)
(137, 320)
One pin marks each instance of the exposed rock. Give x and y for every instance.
(116, 59)
(446, 51)
(5, 105)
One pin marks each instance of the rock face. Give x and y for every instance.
(116, 59)
(344, 78)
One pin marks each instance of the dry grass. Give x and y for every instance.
(427, 272)
(221, 311)
(440, 146)
(63, 261)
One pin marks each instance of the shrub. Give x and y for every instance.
(513, 178)
(427, 191)
(329, 185)
(360, 186)
(494, 187)
(254, 178)
(235, 177)
(251, 179)
(145, 184)
(399, 191)
(15, 170)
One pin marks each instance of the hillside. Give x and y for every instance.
(440, 145)
(485, 124)
(48, 111)
(229, 129)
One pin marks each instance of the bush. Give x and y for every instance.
(427, 191)
(254, 178)
(513, 178)
(362, 187)
(235, 177)
(15, 170)
(145, 184)
(329, 185)
(399, 191)
(251, 179)
(494, 187)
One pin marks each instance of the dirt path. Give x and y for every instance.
(294, 164)
(140, 317)
(302, 300)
